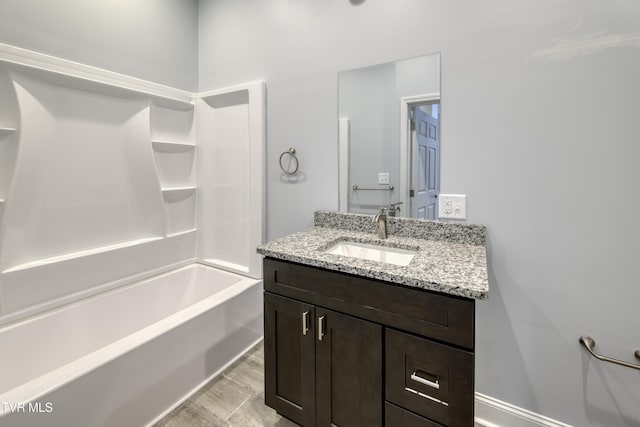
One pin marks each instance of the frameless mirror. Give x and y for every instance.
(389, 137)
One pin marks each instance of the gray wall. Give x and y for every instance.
(153, 40)
(539, 129)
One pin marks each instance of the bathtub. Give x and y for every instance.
(130, 355)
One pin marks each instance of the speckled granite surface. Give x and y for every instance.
(470, 234)
(451, 257)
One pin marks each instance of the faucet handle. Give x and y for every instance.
(381, 214)
(382, 210)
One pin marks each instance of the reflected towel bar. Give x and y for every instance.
(387, 188)
(590, 344)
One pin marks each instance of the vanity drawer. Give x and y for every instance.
(442, 317)
(395, 416)
(429, 378)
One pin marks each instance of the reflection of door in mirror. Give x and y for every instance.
(425, 160)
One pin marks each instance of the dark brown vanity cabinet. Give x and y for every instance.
(345, 351)
(289, 346)
(322, 368)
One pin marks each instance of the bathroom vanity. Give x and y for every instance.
(353, 341)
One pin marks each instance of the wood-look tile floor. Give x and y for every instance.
(234, 398)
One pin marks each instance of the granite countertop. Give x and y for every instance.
(451, 257)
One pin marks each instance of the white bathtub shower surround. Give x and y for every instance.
(231, 146)
(107, 179)
(82, 207)
(87, 177)
(126, 357)
(106, 319)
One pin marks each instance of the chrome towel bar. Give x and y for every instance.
(590, 344)
(387, 188)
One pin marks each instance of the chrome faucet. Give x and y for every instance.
(394, 208)
(381, 223)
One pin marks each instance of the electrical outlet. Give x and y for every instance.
(452, 206)
(383, 178)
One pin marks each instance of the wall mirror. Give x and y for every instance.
(389, 137)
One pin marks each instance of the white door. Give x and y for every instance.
(425, 166)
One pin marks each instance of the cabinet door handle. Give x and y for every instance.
(320, 328)
(305, 322)
(435, 384)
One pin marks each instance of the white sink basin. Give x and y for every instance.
(385, 254)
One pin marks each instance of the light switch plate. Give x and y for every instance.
(383, 178)
(452, 206)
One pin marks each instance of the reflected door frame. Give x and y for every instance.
(406, 102)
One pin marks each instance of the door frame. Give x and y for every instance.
(405, 146)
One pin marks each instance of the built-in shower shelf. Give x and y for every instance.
(6, 131)
(66, 73)
(175, 194)
(79, 254)
(174, 103)
(172, 147)
(182, 232)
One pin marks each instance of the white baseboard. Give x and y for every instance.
(490, 412)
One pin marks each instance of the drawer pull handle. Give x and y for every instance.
(435, 384)
(320, 328)
(305, 322)
(426, 396)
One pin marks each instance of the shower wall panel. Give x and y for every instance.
(97, 186)
(231, 177)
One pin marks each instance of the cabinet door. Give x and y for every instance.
(289, 357)
(348, 371)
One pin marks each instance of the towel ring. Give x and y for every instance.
(292, 166)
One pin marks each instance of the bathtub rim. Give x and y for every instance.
(27, 314)
(65, 374)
